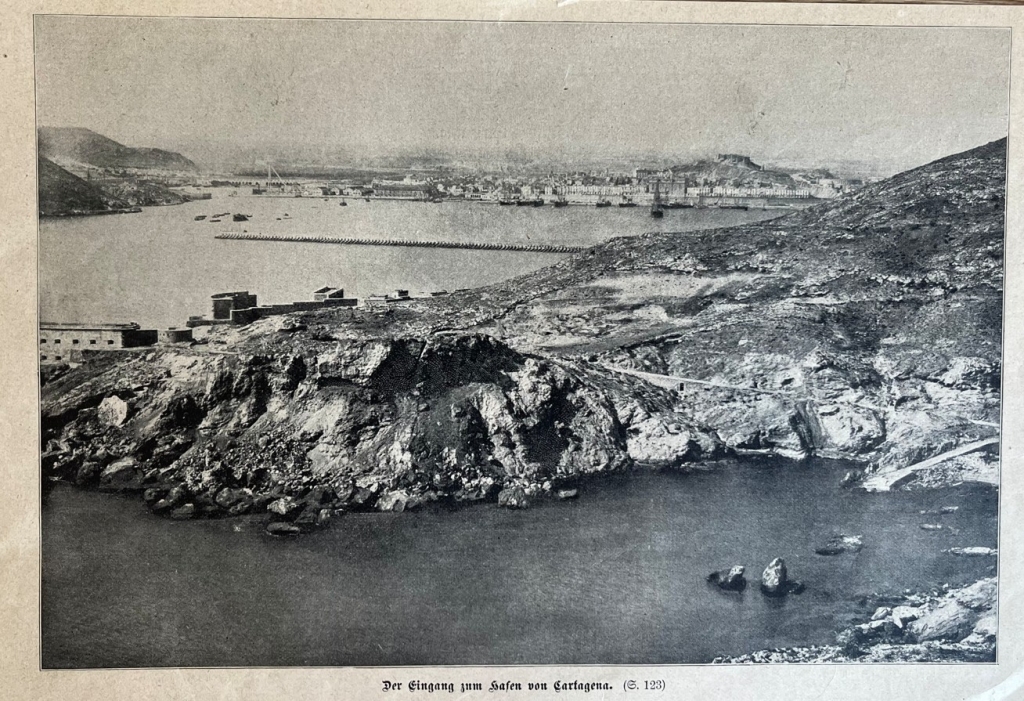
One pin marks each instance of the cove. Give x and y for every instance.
(614, 577)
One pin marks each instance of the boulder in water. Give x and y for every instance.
(731, 579)
(851, 478)
(283, 528)
(974, 551)
(183, 513)
(839, 544)
(774, 580)
(513, 497)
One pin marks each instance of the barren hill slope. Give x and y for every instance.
(75, 144)
(61, 192)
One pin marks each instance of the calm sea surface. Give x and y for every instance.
(160, 266)
(614, 577)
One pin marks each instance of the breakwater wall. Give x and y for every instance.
(527, 248)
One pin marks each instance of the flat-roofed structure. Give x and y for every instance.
(173, 335)
(57, 341)
(328, 292)
(224, 302)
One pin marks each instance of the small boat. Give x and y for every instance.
(538, 202)
(215, 221)
(200, 217)
(561, 203)
(657, 212)
(603, 203)
(343, 203)
(240, 217)
(505, 202)
(626, 202)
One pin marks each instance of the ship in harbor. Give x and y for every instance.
(657, 210)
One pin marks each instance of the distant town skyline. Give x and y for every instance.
(244, 91)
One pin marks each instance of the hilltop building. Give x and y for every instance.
(63, 342)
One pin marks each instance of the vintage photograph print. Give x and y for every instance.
(387, 343)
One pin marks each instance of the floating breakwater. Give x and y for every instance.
(529, 248)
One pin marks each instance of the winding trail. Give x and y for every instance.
(887, 480)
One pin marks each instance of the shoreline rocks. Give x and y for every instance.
(958, 625)
(731, 579)
(839, 544)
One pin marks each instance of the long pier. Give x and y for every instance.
(525, 248)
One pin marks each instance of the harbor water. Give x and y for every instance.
(160, 266)
(617, 576)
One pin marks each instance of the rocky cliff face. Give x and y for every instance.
(359, 422)
(867, 328)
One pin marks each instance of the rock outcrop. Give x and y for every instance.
(364, 422)
(731, 579)
(774, 579)
(960, 624)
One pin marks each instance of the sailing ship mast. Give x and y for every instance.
(656, 211)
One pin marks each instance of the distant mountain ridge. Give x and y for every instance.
(76, 145)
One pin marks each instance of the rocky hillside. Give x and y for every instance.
(359, 421)
(141, 193)
(867, 328)
(74, 145)
(735, 169)
(61, 193)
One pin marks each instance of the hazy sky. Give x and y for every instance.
(891, 97)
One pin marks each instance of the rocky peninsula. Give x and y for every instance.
(867, 328)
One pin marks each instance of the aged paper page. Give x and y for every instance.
(594, 350)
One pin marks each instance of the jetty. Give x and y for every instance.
(525, 248)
